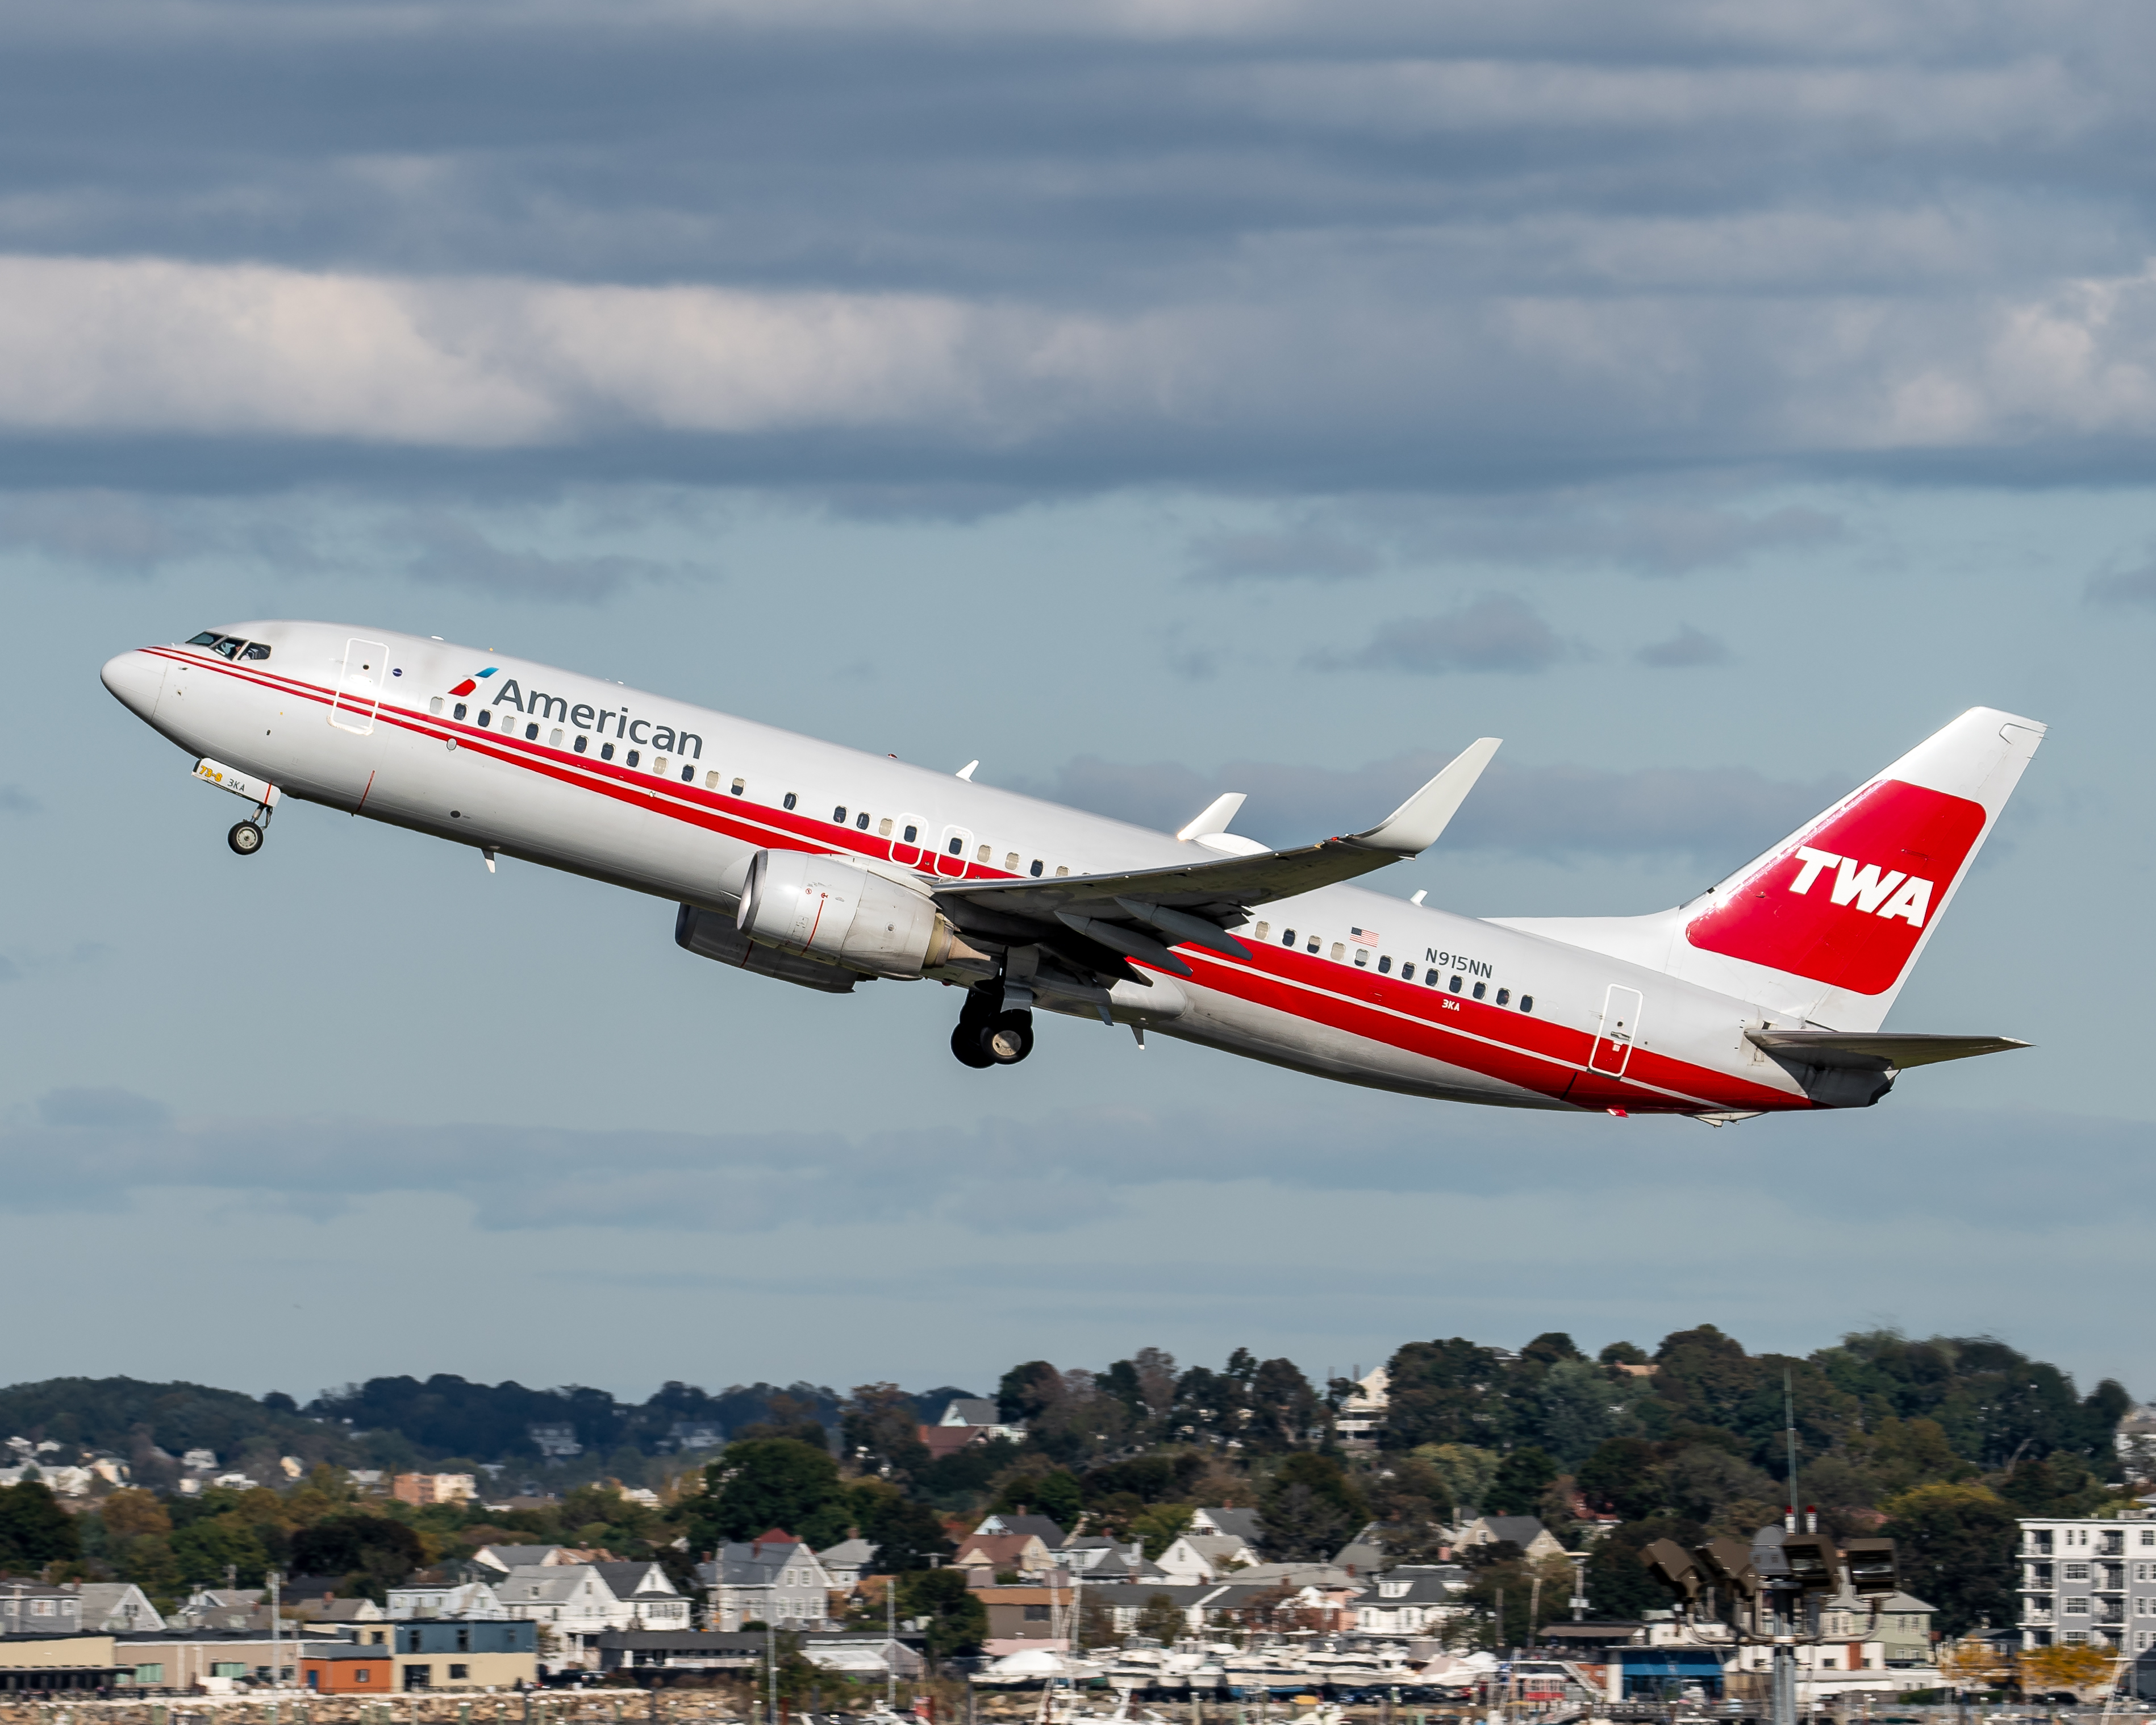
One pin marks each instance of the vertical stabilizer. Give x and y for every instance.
(1828, 923)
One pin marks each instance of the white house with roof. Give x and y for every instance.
(1362, 1409)
(444, 1598)
(1242, 1524)
(775, 1580)
(1412, 1599)
(1205, 1557)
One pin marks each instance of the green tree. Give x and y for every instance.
(768, 1483)
(208, 1550)
(955, 1621)
(1451, 1392)
(1466, 1471)
(1311, 1508)
(371, 1552)
(1956, 1545)
(1618, 1584)
(880, 1430)
(1282, 1404)
(907, 1536)
(1027, 1392)
(1622, 1477)
(1160, 1526)
(1161, 1618)
(1522, 1477)
(35, 1530)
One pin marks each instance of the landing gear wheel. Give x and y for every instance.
(245, 839)
(966, 1044)
(1008, 1038)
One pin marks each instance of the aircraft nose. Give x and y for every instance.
(135, 679)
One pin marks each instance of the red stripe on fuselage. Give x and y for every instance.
(1537, 1054)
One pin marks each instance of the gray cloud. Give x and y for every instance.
(1718, 816)
(1327, 248)
(1495, 632)
(1299, 553)
(1687, 648)
(453, 552)
(1069, 1168)
(15, 800)
(2126, 587)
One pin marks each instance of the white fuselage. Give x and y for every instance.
(645, 791)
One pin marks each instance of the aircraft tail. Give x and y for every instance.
(1828, 923)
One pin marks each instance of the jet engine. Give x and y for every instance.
(831, 908)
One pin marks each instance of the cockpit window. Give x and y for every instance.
(206, 638)
(256, 649)
(228, 647)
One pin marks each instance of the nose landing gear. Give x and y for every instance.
(246, 838)
(988, 1036)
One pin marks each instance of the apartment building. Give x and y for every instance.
(2088, 1582)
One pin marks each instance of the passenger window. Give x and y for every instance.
(1407, 972)
(1527, 1003)
(883, 827)
(710, 779)
(1454, 985)
(1265, 930)
(913, 835)
(659, 765)
(256, 649)
(1287, 937)
(1362, 957)
(862, 821)
(606, 752)
(485, 718)
(1312, 947)
(789, 800)
(1339, 951)
(554, 738)
(532, 733)
(740, 785)
(435, 704)
(688, 775)
(958, 847)
(1036, 869)
(983, 855)
(1385, 967)
(839, 815)
(461, 710)
(1010, 864)
(1061, 871)
(584, 743)
(1504, 997)
(1478, 989)
(635, 755)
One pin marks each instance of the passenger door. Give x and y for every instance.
(360, 684)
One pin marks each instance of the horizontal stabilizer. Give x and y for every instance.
(1875, 1050)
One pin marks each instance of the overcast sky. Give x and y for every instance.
(1150, 400)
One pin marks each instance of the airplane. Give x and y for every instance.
(811, 864)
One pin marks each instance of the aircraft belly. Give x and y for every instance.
(1221, 1020)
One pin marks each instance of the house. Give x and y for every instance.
(1362, 1555)
(117, 1608)
(847, 1561)
(571, 1600)
(180, 1661)
(1903, 1627)
(979, 1413)
(1412, 1599)
(1241, 1524)
(441, 1654)
(28, 1609)
(774, 1580)
(75, 1666)
(331, 1612)
(1040, 1526)
(348, 1670)
(1020, 1617)
(500, 1559)
(1099, 1559)
(1526, 1532)
(647, 1599)
(1205, 1557)
(223, 1608)
(1362, 1410)
(1004, 1554)
(423, 1488)
(470, 1599)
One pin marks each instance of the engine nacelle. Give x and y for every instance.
(832, 909)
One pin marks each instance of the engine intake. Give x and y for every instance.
(831, 908)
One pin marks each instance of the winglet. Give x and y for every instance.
(1415, 824)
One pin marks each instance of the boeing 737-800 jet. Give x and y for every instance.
(822, 866)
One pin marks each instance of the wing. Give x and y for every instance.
(1140, 913)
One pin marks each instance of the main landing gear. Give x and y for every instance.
(988, 1036)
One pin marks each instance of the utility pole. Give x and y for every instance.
(1787, 1600)
(771, 1662)
(276, 1645)
(891, 1643)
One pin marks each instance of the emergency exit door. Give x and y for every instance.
(1619, 1031)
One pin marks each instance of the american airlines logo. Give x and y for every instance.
(1888, 895)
